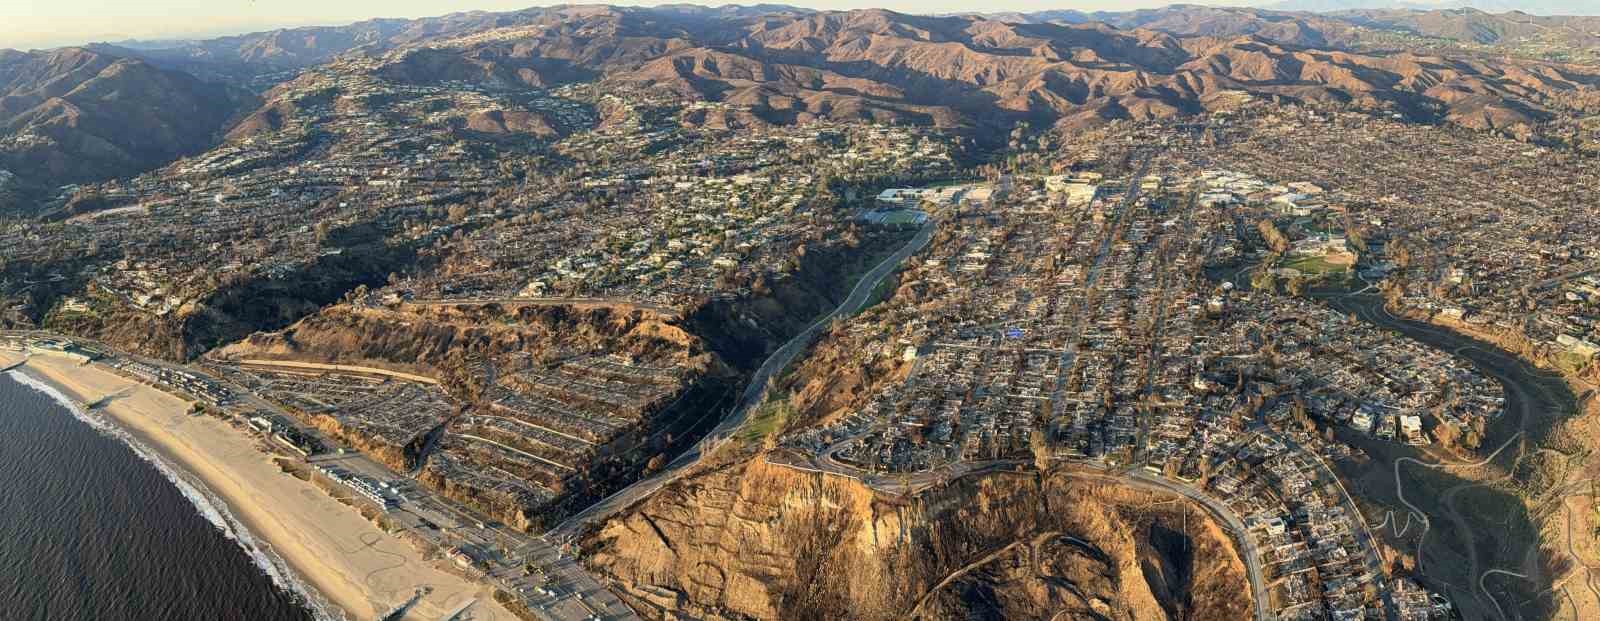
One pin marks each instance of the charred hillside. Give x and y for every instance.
(558, 404)
(744, 329)
(236, 306)
(956, 71)
(76, 115)
(73, 115)
(759, 541)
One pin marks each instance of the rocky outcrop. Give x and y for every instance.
(761, 541)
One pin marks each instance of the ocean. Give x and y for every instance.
(92, 526)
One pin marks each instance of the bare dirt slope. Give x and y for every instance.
(755, 540)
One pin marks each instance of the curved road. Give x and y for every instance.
(1536, 398)
(1136, 479)
(1247, 548)
(753, 395)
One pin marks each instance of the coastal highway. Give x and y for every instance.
(753, 395)
(571, 593)
(780, 359)
(577, 594)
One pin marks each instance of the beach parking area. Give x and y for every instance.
(347, 560)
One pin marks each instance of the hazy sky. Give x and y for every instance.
(26, 24)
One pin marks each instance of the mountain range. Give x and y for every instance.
(73, 115)
(83, 114)
(1536, 7)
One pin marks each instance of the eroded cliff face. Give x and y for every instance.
(755, 540)
(632, 387)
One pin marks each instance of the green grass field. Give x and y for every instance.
(766, 420)
(1571, 363)
(1315, 266)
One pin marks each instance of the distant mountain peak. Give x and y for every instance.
(92, 112)
(1527, 7)
(91, 115)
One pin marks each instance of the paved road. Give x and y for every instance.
(753, 395)
(1136, 478)
(578, 595)
(1537, 399)
(318, 366)
(1158, 328)
(1561, 278)
(1091, 278)
(1247, 548)
(825, 460)
(1368, 542)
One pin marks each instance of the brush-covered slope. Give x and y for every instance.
(73, 115)
(973, 70)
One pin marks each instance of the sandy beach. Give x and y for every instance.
(347, 560)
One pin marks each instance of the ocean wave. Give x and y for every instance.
(213, 509)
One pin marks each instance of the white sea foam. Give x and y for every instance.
(210, 507)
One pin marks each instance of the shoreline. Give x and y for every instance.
(310, 544)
